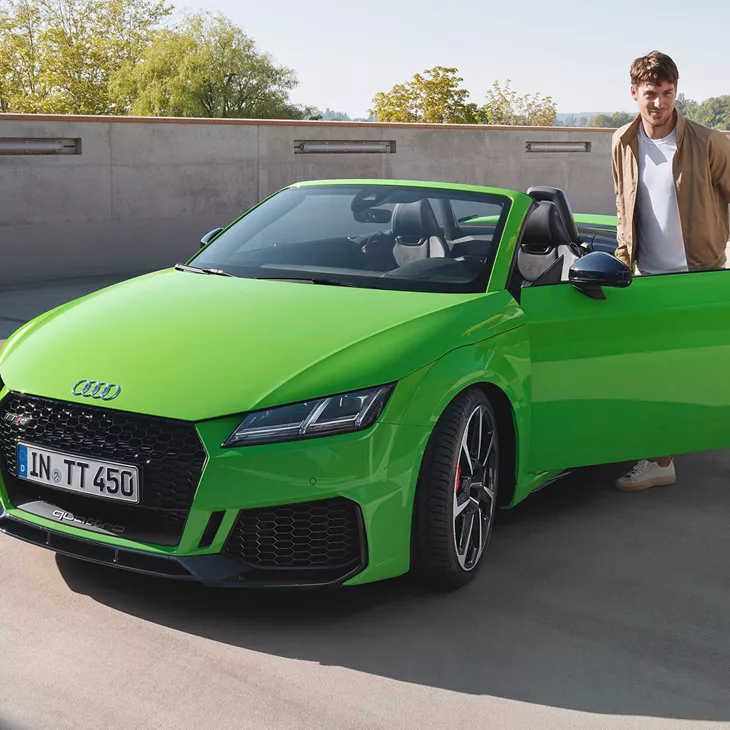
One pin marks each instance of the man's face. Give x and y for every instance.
(656, 102)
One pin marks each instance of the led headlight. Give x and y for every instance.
(343, 413)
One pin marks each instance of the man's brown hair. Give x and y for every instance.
(655, 68)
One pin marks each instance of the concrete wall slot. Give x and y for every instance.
(38, 146)
(324, 146)
(557, 146)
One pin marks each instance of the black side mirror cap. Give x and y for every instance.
(590, 273)
(208, 237)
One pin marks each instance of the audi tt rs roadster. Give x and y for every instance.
(347, 382)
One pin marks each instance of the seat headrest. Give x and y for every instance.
(544, 228)
(561, 202)
(415, 220)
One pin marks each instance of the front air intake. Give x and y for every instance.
(326, 535)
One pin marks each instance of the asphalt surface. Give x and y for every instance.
(20, 303)
(593, 609)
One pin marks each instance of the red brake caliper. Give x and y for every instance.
(458, 479)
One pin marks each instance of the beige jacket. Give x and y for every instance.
(702, 180)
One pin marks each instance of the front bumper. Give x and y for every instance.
(217, 569)
(318, 512)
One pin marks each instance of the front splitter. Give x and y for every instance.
(214, 570)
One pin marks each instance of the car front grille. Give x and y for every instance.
(168, 453)
(325, 535)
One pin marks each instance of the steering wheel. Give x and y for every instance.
(378, 248)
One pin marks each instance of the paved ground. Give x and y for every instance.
(594, 609)
(22, 302)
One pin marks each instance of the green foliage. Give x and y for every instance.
(206, 67)
(504, 106)
(713, 112)
(612, 121)
(436, 97)
(57, 56)
(117, 57)
(686, 106)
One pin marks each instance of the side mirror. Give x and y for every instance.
(598, 269)
(208, 237)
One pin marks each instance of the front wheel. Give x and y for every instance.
(456, 496)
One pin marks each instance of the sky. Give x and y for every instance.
(346, 51)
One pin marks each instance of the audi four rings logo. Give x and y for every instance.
(97, 390)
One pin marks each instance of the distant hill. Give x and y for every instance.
(584, 119)
(575, 119)
(330, 115)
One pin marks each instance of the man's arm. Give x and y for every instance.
(622, 250)
(720, 162)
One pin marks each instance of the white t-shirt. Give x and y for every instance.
(658, 229)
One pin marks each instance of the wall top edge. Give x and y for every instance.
(282, 123)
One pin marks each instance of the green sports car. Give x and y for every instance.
(345, 383)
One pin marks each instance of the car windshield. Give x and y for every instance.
(371, 236)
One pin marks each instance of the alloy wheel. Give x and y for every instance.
(475, 488)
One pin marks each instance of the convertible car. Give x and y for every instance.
(347, 382)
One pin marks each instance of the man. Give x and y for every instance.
(672, 182)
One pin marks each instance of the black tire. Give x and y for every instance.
(435, 558)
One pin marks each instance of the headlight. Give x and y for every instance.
(344, 413)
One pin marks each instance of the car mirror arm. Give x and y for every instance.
(590, 273)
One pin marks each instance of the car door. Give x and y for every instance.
(643, 373)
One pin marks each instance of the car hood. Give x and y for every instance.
(193, 347)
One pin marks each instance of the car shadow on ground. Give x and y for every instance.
(589, 599)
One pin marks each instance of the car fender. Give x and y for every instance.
(502, 361)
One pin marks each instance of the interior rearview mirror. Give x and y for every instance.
(208, 237)
(372, 215)
(590, 273)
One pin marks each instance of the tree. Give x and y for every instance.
(206, 67)
(612, 121)
(714, 112)
(504, 106)
(19, 56)
(57, 56)
(434, 97)
(687, 107)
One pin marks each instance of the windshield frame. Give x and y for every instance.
(430, 190)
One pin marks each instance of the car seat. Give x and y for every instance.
(549, 236)
(417, 233)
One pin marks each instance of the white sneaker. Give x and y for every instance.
(647, 474)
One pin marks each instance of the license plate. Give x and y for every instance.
(104, 479)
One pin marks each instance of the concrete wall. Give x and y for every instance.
(143, 191)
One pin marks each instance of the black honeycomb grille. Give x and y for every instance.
(168, 453)
(321, 534)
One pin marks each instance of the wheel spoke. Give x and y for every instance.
(480, 544)
(472, 441)
(479, 434)
(489, 450)
(487, 492)
(466, 531)
(459, 507)
(465, 452)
